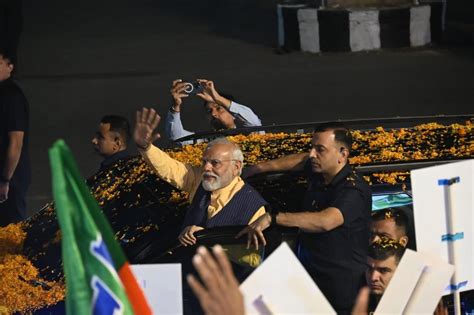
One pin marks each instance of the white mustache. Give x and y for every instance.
(209, 174)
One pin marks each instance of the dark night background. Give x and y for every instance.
(80, 60)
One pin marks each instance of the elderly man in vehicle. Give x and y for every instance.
(222, 111)
(334, 219)
(218, 195)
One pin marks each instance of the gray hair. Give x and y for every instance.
(237, 154)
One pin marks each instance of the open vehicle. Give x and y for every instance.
(146, 213)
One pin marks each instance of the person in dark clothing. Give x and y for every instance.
(334, 221)
(14, 159)
(111, 139)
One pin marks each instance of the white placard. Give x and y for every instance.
(430, 287)
(403, 282)
(162, 286)
(281, 285)
(430, 203)
(417, 285)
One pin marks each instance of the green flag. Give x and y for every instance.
(98, 276)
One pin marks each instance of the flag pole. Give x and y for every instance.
(451, 239)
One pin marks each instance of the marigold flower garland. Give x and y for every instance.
(22, 289)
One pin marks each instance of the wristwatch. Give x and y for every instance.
(173, 110)
(273, 216)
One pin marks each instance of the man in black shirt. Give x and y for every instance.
(14, 159)
(334, 221)
(111, 139)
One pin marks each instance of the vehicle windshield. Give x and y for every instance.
(384, 201)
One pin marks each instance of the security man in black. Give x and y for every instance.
(14, 159)
(336, 259)
(334, 219)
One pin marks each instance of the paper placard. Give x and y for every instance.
(398, 292)
(162, 286)
(429, 207)
(281, 285)
(417, 285)
(430, 287)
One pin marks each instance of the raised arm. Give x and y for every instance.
(210, 94)
(173, 126)
(178, 174)
(293, 162)
(248, 117)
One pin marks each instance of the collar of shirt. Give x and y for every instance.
(343, 173)
(220, 197)
(108, 161)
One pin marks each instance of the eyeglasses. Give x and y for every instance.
(215, 163)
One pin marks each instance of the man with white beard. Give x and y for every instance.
(218, 195)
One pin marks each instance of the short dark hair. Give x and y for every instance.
(385, 248)
(400, 218)
(118, 124)
(341, 133)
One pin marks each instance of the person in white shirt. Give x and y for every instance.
(223, 112)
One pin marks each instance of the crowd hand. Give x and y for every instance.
(441, 309)
(219, 292)
(361, 305)
(146, 122)
(4, 188)
(255, 230)
(187, 235)
(177, 92)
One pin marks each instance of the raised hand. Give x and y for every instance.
(210, 94)
(177, 92)
(219, 292)
(146, 122)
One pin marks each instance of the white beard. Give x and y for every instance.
(211, 185)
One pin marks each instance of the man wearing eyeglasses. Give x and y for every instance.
(218, 195)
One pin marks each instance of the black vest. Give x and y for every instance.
(238, 210)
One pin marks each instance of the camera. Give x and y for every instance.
(193, 88)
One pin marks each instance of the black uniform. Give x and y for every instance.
(336, 260)
(14, 116)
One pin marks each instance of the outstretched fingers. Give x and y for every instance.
(224, 265)
(155, 120)
(208, 269)
(200, 292)
(144, 115)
